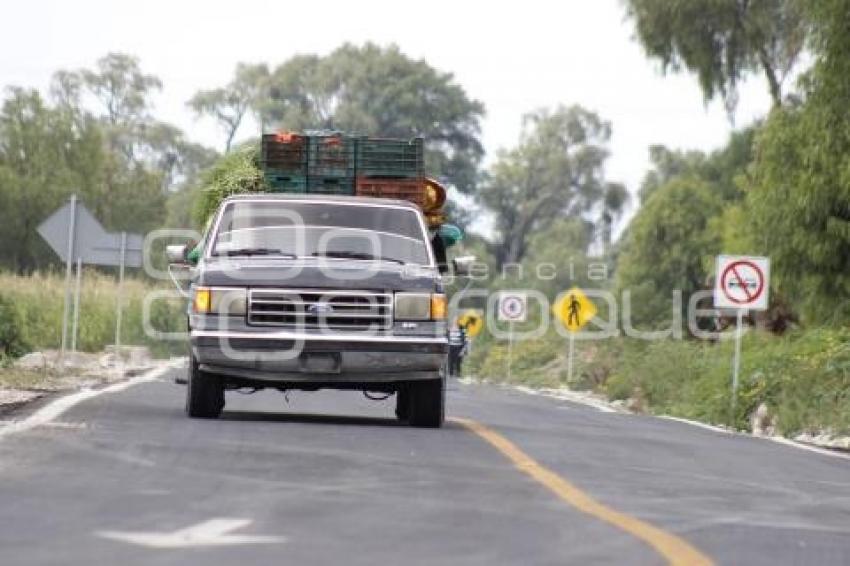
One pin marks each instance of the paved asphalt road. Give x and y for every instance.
(331, 478)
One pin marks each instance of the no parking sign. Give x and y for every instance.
(742, 283)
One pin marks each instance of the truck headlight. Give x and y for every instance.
(420, 306)
(220, 300)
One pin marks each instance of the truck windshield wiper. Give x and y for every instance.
(355, 255)
(256, 251)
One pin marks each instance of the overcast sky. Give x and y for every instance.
(513, 56)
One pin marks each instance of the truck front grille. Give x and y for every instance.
(319, 309)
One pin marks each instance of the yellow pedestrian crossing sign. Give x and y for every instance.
(472, 321)
(574, 309)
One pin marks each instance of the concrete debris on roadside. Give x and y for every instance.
(44, 375)
(130, 359)
(824, 439)
(762, 422)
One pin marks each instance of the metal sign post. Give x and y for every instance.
(72, 217)
(76, 318)
(512, 307)
(736, 365)
(742, 284)
(510, 347)
(119, 306)
(574, 310)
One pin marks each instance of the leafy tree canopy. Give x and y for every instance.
(667, 246)
(722, 41)
(799, 196)
(230, 104)
(556, 171)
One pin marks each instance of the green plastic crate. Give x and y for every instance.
(390, 158)
(284, 182)
(331, 156)
(331, 185)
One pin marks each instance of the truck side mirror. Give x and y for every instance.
(463, 265)
(176, 254)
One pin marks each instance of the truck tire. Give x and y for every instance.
(204, 393)
(402, 403)
(427, 403)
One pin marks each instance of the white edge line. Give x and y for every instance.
(697, 424)
(62, 404)
(802, 446)
(602, 407)
(777, 439)
(564, 395)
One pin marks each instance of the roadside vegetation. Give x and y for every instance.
(803, 377)
(31, 314)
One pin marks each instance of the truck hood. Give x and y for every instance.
(317, 274)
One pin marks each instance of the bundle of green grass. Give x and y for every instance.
(236, 173)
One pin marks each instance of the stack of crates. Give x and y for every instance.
(331, 164)
(295, 163)
(284, 162)
(391, 168)
(336, 164)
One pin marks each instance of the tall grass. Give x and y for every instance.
(37, 302)
(803, 377)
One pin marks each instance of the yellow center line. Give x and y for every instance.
(675, 549)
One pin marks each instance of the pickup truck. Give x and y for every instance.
(308, 292)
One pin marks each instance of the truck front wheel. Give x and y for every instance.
(427, 403)
(204, 393)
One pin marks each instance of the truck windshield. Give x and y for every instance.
(338, 231)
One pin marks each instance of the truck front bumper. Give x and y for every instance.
(300, 357)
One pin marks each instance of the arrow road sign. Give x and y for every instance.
(472, 321)
(742, 283)
(77, 237)
(92, 243)
(214, 532)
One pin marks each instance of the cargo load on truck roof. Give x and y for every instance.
(341, 164)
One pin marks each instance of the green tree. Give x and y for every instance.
(230, 104)
(722, 41)
(380, 91)
(685, 254)
(556, 171)
(799, 195)
(121, 88)
(45, 154)
(721, 168)
(667, 246)
(564, 244)
(166, 150)
(615, 199)
(145, 160)
(667, 164)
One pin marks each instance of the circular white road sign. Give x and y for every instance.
(513, 306)
(742, 282)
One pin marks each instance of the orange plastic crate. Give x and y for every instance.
(412, 190)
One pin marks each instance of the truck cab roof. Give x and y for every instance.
(330, 199)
